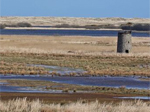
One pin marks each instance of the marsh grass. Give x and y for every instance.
(114, 65)
(23, 105)
(21, 69)
(95, 55)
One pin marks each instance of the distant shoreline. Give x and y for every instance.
(53, 28)
(70, 23)
(52, 21)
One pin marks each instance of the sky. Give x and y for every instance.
(76, 8)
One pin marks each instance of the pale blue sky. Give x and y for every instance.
(76, 8)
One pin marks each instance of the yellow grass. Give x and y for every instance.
(22, 105)
(95, 55)
(69, 44)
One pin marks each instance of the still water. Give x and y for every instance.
(105, 81)
(128, 82)
(67, 32)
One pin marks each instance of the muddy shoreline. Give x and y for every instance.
(66, 97)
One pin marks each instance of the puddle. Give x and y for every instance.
(135, 98)
(26, 90)
(61, 70)
(37, 90)
(144, 66)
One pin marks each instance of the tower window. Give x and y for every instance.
(127, 51)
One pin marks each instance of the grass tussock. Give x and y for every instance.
(22, 105)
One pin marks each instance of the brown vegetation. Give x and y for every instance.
(64, 44)
(20, 69)
(95, 65)
(22, 105)
(96, 55)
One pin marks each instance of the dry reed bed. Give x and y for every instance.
(22, 105)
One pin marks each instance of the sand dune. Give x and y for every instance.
(52, 21)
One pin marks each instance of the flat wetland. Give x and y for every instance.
(95, 55)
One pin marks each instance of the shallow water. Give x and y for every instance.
(61, 70)
(67, 32)
(128, 82)
(135, 98)
(105, 81)
(26, 90)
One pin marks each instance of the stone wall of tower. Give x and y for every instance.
(124, 44)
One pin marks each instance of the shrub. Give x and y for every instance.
(92, 27)
(2, 26)
(68, 26)
(141, 27)
(111, 26)
(137, 27)
(23, 24)
(106, 26)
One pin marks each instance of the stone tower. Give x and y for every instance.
(124, 44)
